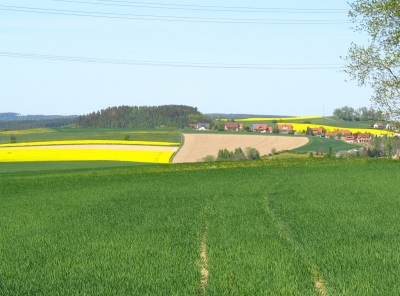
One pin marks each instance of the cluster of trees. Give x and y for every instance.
(382, 147)
(143, 117)
(238, 154)
(360, 114)
(26, 124)
(376, 63)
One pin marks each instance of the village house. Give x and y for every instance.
(262, 128)
(379, 125)
(233, 126)
(391, 127)
(316, 130)
(200, 126)
(330, 135)
(350, 139)
(284, 128)
(363, 138)
(203, 126)
(343, 133)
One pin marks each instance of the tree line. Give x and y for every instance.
(143, 117)
(360, 114)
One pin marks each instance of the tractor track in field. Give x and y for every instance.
(203, 253)
(283, 230)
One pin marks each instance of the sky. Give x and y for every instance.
(203, 56)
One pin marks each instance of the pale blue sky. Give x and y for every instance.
(31, 86)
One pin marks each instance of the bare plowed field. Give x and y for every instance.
(199, 145)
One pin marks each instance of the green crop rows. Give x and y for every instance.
(165, 135)
(278, 227)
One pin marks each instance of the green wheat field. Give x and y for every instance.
(268, 227)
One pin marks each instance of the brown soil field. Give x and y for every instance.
(102, 147)
(197, 146)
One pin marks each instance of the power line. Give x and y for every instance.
(172, 64)
(165, 17)
(153, 5)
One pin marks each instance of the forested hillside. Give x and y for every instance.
(143, 117)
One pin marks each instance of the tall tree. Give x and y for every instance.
(377, 63)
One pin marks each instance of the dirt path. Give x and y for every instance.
(197, 146)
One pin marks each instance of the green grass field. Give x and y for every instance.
(269, 227)
(323, 144)
(164, 135)
(12, 167)
(332, 121)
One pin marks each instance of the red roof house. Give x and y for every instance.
(363, 138)
(233, 126)
(260, 127)
(284, 128)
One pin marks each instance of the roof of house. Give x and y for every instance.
(232, 125)
(260, 126)
(285, 127)
(363, 136)
(350, 138)
(344, 132)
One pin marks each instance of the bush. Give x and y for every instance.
(13, 138)
(209, 158)
(252, 153)
(127, 137)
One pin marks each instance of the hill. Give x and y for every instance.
(143, 117)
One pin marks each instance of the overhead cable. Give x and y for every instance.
(167, 18)
(172, 64)
(156, 5)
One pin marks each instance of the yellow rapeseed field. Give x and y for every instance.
(90, 142)
(49, 154)
(28, 131)
(328, 128)
(277, 118)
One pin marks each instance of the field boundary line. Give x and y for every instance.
(171, 160)
(284, 232)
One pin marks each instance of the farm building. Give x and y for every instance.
(391, 127)
(233, 126)
(379, 125)
(343, 133)
(330, 135)
(316, 130)
(363, 138)
(200, 126)
(284, 128)
(261, 128)
(350, 139)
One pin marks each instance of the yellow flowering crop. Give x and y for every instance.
(90, 142)
(28, 131)
(279, 118)
(54, 154)
(328, 128)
